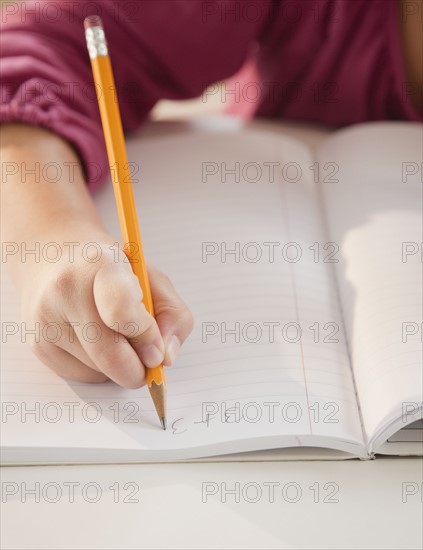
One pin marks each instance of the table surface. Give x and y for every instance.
(351, 504)
(250, 505)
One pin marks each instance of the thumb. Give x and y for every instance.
(117, 295)
(173, 317)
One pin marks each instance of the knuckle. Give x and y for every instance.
(40, 307)
(43, 313)
(114, 315)
(133, 327)
(145, 323)
(114, 371)
(182, 316)
(165, 279)
(187, 320)
(109, 358)
(160, 278)
(38, 349)
(64, 283)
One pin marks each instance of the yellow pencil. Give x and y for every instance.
(116, 151)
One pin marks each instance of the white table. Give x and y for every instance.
(347, 505)
(375, 508)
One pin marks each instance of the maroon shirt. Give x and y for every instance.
(333, 62)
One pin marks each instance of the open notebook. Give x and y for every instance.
(303, 270)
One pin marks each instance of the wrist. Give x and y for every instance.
(44, 251)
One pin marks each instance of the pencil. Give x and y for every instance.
(121, 177)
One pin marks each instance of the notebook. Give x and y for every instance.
(302, 266)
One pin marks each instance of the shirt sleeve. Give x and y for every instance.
(159, 49)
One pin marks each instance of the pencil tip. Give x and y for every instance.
(163, 422)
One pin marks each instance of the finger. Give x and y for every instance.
(66, 365)
(111, 352)
(173, 317)
(69, 342)
(75, 306)
(117, 296)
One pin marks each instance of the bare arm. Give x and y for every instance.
(74, 291)
(35, 209)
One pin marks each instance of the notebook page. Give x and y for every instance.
(373, 212)
(253, 370)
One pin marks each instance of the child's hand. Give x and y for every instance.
(92, 325)
(92, 322)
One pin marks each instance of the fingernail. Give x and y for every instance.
(172, 350)
(151, 356)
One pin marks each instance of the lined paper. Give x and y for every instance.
(226, 394)
(373, 212)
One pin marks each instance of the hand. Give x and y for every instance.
(92, 323)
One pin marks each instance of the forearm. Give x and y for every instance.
(44, 197)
